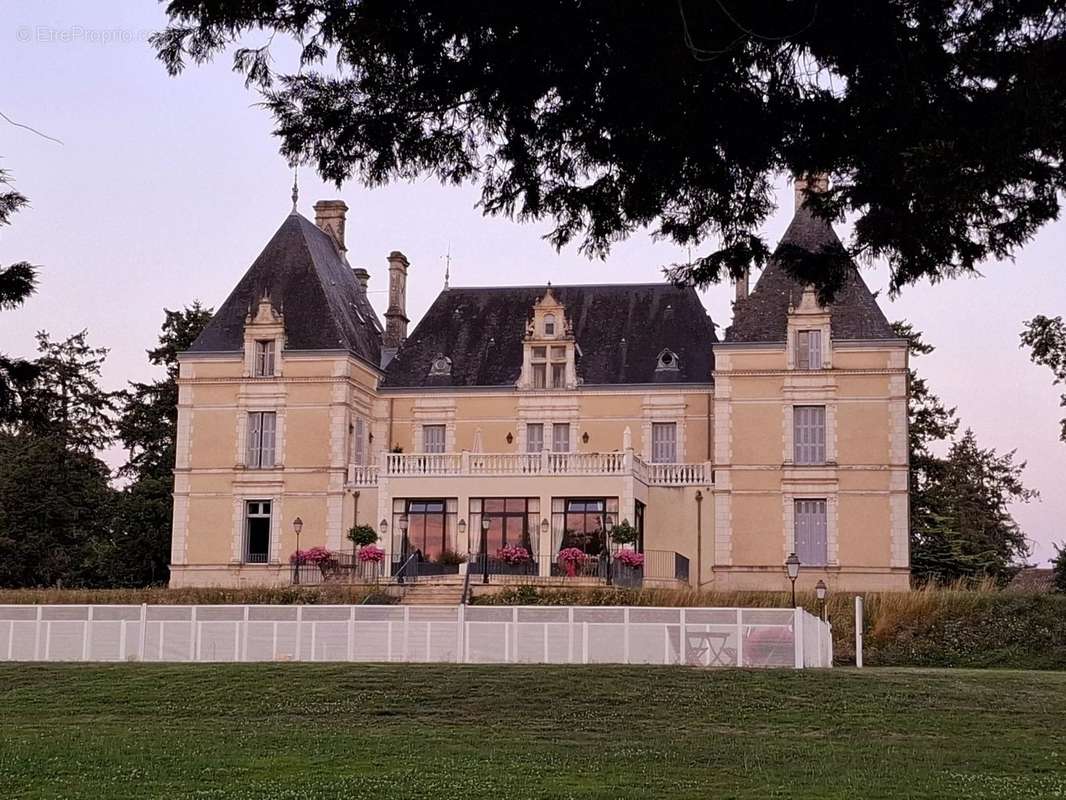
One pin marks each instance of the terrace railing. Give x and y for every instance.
(410, 465)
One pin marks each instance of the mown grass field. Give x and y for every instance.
(435, 731)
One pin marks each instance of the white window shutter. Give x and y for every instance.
(255, 434)
(269, 436)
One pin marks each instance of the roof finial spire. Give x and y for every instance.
(447, 266)
(295, 187)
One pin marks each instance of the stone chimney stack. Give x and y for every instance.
(396, 315)
(329, 216)
(742, 287)
(362, 276)
(816, 183)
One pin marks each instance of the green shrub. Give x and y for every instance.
(362, 535)
(624, 533)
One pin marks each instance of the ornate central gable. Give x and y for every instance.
(548, 348)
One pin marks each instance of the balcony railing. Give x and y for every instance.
(409, 465)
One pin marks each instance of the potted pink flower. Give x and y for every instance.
(513, 555)
(630, 558)
(371, 554)
(571, 559)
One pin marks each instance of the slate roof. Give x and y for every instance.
(763, 316)
(620, 329)
(322, 304)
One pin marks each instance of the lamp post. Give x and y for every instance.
(485, 549)
(545, 529)
(401, 524)
(792, 569)
(820, 591)
(383, 528)
(297, 526)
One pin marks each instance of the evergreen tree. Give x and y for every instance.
(17, 282)
(1046, 338)
(56, 501)
(1058, 564)
(148, 429)
(961, 526)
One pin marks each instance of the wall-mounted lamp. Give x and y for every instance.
(585, 437)
(510, 437)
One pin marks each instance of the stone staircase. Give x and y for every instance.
(431, 594)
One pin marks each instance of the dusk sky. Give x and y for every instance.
(164, 191)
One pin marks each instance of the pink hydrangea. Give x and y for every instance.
(570, 558)
(513, 554)
(312, 555)
(371, 554)
(631, 558)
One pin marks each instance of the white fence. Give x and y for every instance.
(710, 637)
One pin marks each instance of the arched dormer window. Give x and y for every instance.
(667, 361)
(549, 324)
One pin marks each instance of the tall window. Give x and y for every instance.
(262, 426)
(808, 434)
(558, 367)
(430, 526)
(513, 521)
(549, 324)
(359, 441)
(257, 531)
(664, 442)
(534, 437)
(808, 350)
(264, 358)
(540, 367)
(582, 522)
(810, 532)
(561, 437)
(433, 438)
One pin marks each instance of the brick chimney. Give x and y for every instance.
(742, 287)
(396, 314)
(330, 216)
(818, 183)
(362, 276)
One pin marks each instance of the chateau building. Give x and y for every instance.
(542, 418)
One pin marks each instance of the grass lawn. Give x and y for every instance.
(506, 733)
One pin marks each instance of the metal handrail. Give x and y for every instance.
(403, 568)
(466, 587)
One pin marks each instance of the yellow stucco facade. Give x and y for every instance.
(763, 457)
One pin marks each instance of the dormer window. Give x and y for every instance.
(667, 361)
(264, 358)
(442, 366)
(549, 324)
(549, 347)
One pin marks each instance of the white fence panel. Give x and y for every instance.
(703, 637)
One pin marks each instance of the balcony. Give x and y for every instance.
(466, 464)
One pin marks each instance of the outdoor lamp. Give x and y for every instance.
(384, 528)
(402, 522)
(544, 525)
(792, 569)
(820, 591)
(485, 524)
(297, 526)
(462, 527)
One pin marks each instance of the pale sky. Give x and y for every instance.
(165, 190)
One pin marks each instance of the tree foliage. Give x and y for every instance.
(56, 501)
(1046, 338)
(1058, 564)
(961, 525)
(941, 124)
(17, 282)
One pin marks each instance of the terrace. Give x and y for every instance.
(541, 464)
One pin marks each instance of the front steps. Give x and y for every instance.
(431, 594)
